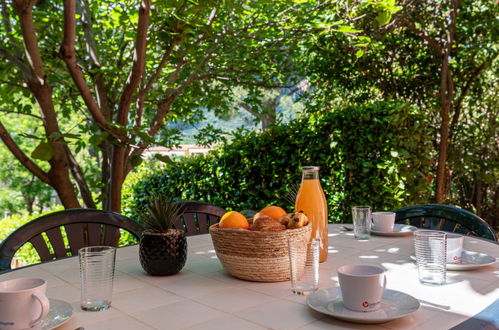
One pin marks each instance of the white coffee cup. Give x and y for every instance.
(23, 303)
(362, 286)
(454, 247)
(383, 221)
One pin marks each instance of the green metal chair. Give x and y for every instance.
(446, 218)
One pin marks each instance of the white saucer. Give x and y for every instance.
(60, 312)
(469, 260)
(398, 230)
(394, 305)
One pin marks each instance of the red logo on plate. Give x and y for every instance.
(365, 304)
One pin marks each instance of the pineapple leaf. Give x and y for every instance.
(292, 194)
(161, 213)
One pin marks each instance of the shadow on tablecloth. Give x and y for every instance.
(485, 320)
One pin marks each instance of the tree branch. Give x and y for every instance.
(21, 113)
(254, 83)
(78, 176)
(17, 62)
(24, 8)
(8, 29)
(453, 18)
(143, 92)
(458, 103)
(21, 156)
(39, 86)
(138, 63)
(100, 86)
(37, 82)
(432, 42)
(68, 54)
(249, 109)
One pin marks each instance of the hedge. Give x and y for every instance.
(376, 154)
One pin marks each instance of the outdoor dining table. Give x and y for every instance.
(204, 296)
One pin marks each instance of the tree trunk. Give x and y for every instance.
(446, 96)
(106, 150)
(28, 201)
(117, 177)
(38, 84)
(268, 119)
(478, 196)
(77, 173)
(59, 169)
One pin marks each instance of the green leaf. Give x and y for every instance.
(359, 53)
(97, 139)
(54, 135)
(164, 158)
(44, 151)
(136, 160)
(348, 29)
(383, 18)
(30, 136)
(71, 136)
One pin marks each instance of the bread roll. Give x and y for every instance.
(297, 220)
(264, 223)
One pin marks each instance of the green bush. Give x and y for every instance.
(375, 154)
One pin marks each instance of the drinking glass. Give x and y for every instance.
(304, 265)
(431, 251)
(96, 276)
(361, 216)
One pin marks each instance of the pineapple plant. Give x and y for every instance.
(162, 250)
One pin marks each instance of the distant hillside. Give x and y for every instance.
(242, 119)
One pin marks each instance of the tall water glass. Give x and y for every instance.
(96, 276)
(361, 216)
(431, 250)
(304, 265)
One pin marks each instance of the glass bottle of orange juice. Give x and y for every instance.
(312, 201)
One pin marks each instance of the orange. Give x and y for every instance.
(274, 212)
(233, 219)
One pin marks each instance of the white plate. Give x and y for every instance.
(60, 312)
(394, 305)
(398, 230)
(469, 260)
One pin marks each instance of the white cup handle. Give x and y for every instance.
(384, 283)
(44, 303)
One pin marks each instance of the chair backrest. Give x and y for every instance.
(198, 217)
(82, 227)
(446, 218)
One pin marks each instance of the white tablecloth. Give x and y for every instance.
(204, 296)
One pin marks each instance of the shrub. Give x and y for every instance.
(375, 154)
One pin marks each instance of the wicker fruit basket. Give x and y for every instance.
(260, 256)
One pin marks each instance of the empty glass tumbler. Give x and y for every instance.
(431, 250)
(96, 276)
(304, 265)
(361, 216)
